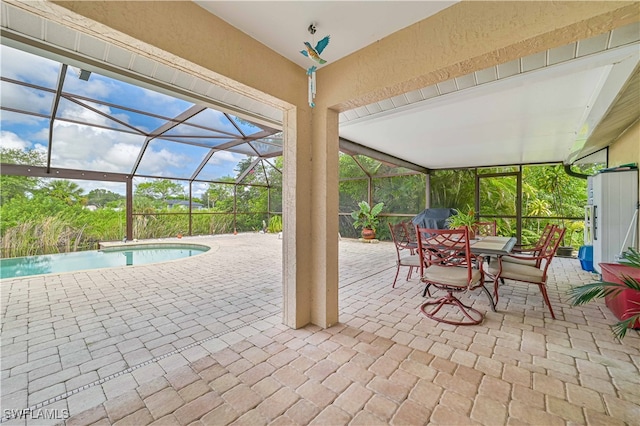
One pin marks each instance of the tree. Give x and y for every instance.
(67, 191)
(102, 197)
(160, 189)
(19, 186)
(452, 188)
(219, 196)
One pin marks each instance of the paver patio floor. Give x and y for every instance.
(200, 341)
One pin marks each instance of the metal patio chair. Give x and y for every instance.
(447, 264)
(405, 251)
(535, 273)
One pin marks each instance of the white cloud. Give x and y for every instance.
(25, 98)
(77, 112)
(96, 87)
(222, 157)
(91, 148)
(156, 162)
(123, 154)
(10, 140)
(24, 66)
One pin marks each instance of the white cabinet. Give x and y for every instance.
(612, 204)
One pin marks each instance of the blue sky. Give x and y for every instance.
(82, 146)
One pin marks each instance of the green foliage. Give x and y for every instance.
(22, 209)
(587, 293)
(67, 191)
(275, 224)
(19, 186)
(631, 257)
(160, 225)
(462, 218)
(367, 216)
(51, 235)
(29, 200)
(161, 189)
(550, 191)
(102, 198)
(400, 194)
(547, 192)
(452, 188)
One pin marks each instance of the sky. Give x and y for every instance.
(115, 146)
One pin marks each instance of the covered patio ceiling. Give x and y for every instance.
(555, 106)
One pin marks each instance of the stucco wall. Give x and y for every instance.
(627, 150)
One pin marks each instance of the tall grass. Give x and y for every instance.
(79, 229)
(51, 235)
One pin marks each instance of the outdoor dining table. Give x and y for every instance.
(493, 246)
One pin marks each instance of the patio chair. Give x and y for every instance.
(410, 232)
(530, 255)
(447, 264)
(405, 252)
(485, 229)
(535, 273)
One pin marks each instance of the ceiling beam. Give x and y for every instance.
(353, 148)
(45, 172)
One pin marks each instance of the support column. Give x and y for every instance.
(296, 219)
(324, 217)
(129, 208)
(310, 217)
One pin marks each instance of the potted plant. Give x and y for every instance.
(461, 219)
(367, 219)
(620, 286)
(566, 248)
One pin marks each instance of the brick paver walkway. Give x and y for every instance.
(199, 341)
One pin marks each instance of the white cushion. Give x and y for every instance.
(528, 262)
(454, 276)
(410, 259)
(518, 272)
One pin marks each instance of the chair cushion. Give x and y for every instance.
(407, 259)
(528, 262)
(518, 272)
(452, 275)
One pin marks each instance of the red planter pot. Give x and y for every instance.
(627, 301)
(368, 234)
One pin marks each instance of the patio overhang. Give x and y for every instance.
(555, 105)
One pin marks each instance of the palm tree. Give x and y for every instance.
(67, 191)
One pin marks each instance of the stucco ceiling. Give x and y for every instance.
(550, 107)
(351, 25)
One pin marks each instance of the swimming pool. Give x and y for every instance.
(94, 259)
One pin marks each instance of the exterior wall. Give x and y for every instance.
(627, 150)
(468, 36)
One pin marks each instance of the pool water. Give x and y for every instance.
(105, 258)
